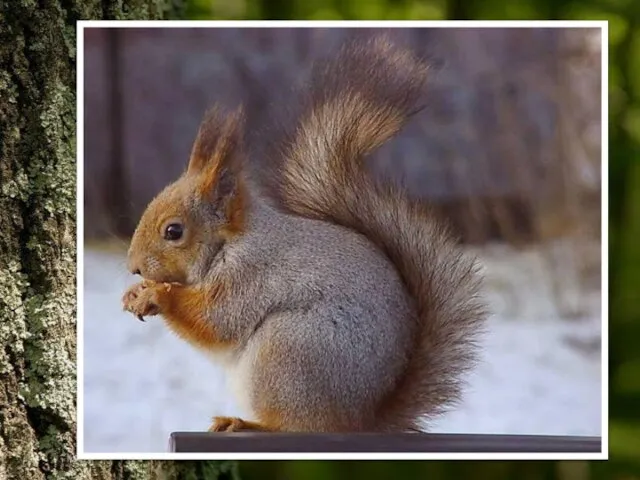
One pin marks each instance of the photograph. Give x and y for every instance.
(330, 228)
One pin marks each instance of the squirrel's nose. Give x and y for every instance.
(134, 269)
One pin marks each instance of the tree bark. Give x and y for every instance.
(38, 244)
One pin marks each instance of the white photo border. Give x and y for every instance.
(86, 24)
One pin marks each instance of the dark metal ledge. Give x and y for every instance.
(203, 442)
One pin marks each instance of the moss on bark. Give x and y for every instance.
(38, 244)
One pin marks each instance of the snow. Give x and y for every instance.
(540, 372)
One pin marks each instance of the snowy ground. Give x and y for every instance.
(541, 374)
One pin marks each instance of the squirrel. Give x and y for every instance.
(336, 302)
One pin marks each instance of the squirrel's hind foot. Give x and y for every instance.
(235, 424)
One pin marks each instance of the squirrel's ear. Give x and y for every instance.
(216, 157)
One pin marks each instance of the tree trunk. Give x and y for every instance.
(37, 244)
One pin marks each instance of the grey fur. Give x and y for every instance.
(321, 299)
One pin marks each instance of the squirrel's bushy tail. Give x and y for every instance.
(356, 102)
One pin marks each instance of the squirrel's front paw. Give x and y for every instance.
(143, 299)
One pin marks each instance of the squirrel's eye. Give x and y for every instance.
(173, 232)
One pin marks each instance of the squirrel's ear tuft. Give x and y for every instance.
(216, 157)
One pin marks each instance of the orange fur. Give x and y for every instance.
(235, 424)
(215, 154)
(184, 307)
(216, 149)
(212, 140)
(236, 212)
(271, 418)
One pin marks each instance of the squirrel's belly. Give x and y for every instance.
(238, 368)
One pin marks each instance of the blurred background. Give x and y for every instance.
(508, 150)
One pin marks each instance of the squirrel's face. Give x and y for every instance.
(174, 237)
(185, 226)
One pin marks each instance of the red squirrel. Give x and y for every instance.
(336, 302)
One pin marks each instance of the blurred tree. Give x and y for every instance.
(38, 245)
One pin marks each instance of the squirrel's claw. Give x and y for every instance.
(140, 318)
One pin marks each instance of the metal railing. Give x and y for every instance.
(204, 442)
